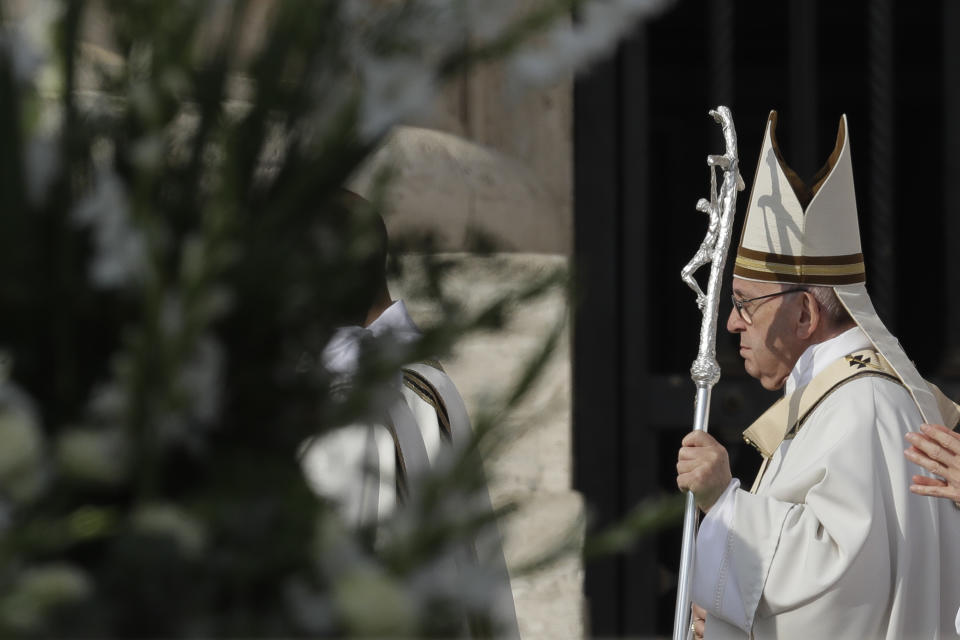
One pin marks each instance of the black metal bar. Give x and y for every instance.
(882, 255)
(721, 58)
(596, 343)
(950, 139)
(641, 579)
(803, 150)
(736, 403)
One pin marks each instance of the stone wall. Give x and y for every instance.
(532, 464)
(535, 130)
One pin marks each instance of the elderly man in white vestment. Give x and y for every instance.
(829, 542)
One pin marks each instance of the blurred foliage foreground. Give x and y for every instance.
(173, 256)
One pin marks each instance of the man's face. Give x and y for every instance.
(769, 346)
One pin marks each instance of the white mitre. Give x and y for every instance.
(785, 242)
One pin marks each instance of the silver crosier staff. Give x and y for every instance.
(705, 371)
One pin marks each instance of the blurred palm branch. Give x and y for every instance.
(173, 244)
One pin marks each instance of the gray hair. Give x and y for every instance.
(831, 307)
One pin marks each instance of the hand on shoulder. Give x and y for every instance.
(936, 449)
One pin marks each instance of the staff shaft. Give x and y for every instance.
(681, 619)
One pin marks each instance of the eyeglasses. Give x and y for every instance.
(740, 305)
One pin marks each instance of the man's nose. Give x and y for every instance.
(735, 323)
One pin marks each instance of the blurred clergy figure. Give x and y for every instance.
(417, 420)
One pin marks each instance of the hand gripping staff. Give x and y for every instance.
(705, 370)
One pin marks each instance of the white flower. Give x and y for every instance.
(119, 248)
(400, 87)
(149, 151)
(42, 164)
(94, 455)
(23, 468)
(38, 591)
(197, 391)
(108, 402)
(29, 42)
(394, 89)
(171, 316)
(202, 378)
(5, 516)
(372, 604)
(569, 47)
(489, 18)
(171, 521)
(24, 58)
(312, 609)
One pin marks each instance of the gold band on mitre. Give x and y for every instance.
(812, 270)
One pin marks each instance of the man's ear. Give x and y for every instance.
(810, 318)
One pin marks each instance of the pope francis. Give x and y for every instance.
(829, 542)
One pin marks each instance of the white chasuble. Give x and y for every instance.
(833, 544)
(422, 424)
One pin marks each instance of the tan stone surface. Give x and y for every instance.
(532, 126)
(453, 187)
(535, 127)
(530, 136)
(532, 467)
(549, 601)
(536, 447)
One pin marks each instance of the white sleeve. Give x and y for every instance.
(353, 467)
(712, 562)
(425, 415)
